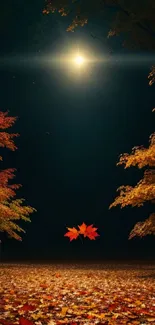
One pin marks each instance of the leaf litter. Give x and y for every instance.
(76, 295)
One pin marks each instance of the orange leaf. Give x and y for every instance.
(43, 285)
(89, 232)
(47, 297)
(72, 233)
(82, 228)
(24, 321)
(5, 322)
(27, 307)
(86, 231)
(58, 275)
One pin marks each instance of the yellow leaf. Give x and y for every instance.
(64, 311)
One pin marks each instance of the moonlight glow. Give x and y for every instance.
(79, 60)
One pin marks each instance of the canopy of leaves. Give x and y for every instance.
(11, 209)
(151, 76)
(138, 195)
(144, 191)
(134, 19)
(144, 228)
(140, 156)
(6, 139)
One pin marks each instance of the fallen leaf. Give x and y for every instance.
(27, 307)
(24, 321)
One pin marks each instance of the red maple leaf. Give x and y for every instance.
(5, 322)
(27, 307)
(88, 231)
(24, 321)
(82, 228)
(72, 233)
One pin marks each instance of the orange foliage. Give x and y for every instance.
(138, 195)
(133, 19)
(86, 231)
(6, 190)
(151, 76)
(64, 8)
(140, 156)
(11, 209)
(144, 228)
(144, 190)
(72, 233)
(6, 139)
(77, 22)
(6, 121)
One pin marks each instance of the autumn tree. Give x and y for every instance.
(11, 209)
(144, 190)
(134, 19)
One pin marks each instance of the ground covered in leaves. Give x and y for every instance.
(77, 294)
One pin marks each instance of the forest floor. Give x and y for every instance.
(77, 294)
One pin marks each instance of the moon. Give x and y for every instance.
(79, 60)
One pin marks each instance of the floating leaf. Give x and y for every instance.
(86, 231)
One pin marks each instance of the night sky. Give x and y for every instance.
(73, 127)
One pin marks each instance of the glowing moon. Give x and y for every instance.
(79, 60)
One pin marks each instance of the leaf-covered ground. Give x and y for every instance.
(77, 294)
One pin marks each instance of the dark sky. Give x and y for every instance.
(70, 174)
